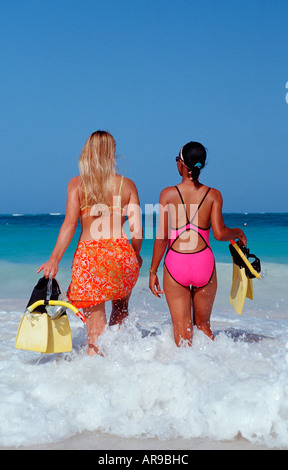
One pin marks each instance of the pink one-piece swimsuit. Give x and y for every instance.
(190, 269)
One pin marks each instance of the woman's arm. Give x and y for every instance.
(66, 232)
(220, 231)
(135, 221)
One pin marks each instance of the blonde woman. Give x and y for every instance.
(105, 265)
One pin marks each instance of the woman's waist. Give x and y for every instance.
(189, 233)
(103, 241)
(95, 233)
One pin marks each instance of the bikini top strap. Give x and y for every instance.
(85, 192)
(119, 194)
(121, 184)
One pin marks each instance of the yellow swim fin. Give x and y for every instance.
(239, 288)
(43, 329)
(243, 274)
(39, 332)
(33, 332)
(59, 335)
(249, 294)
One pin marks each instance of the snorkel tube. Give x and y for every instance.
(244, 258)
(61, 303)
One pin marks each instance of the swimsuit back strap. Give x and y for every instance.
(184, 205)
(203, 199)
(200, 204)
(206, 194)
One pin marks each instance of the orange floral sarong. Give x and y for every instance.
(102, 270)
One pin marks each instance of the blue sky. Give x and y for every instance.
(156, 74)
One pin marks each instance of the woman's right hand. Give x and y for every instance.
(50, 268)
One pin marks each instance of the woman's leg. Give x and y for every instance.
(119, 311)
(179, 302)
(95, 323)
(203, 300)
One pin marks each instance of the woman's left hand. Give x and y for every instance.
(154, 285)
(139, 259)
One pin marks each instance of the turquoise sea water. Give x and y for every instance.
(27, 242)
(31, 238)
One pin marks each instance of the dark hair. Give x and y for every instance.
(194, 156)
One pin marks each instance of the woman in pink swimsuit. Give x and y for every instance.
(187, 212)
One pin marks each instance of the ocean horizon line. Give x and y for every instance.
(57, 214)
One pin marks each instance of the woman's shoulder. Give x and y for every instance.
(127, 183)
(215, 194)
(167, 194)
(75, 182)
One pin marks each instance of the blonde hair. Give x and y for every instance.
(97, 167)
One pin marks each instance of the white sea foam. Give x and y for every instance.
(144, 386)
